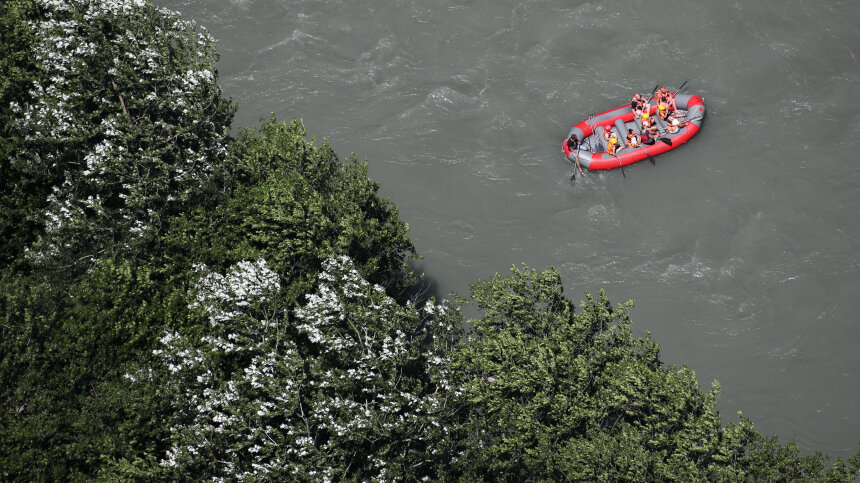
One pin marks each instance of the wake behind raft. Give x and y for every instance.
(591, 147)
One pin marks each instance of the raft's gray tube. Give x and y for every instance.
(622, 132)
(602, 140)
(578, 133)
(637, 125)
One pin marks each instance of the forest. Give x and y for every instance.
(183, 300)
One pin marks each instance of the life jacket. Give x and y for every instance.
(610, 148)
(631, 140)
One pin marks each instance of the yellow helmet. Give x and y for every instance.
(662, 107)
(645, 115)
(613, 140)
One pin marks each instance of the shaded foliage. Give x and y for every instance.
(23, 197)
(286, 199)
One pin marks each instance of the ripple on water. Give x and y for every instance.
(297, 36)
(459, 230)
(602, 215)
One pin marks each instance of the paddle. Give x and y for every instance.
(688, 121)
(576, 156)
(650, 158)
(619, 164)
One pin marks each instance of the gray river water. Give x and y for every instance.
(740, 249)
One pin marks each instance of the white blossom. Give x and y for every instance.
(93, 148)
(278, 403)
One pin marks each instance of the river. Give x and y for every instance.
(740, 249)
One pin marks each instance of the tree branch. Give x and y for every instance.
(121, 102)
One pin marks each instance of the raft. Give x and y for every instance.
(592, 147)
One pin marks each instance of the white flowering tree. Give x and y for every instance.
(122, 125)
(351, 385)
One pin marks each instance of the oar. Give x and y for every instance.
(650, 158)
(619, 164)
(576, 154)
(679, 89)
(688, 121)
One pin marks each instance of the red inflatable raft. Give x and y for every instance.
(591, 147)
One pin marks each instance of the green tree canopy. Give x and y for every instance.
(282, 197)
(550, 394)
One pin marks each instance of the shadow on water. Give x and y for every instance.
(425, 288)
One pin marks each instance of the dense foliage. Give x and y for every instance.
(21, 195)
(178, 303)
(549, 394)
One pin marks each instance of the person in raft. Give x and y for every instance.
(607, 132)
(610, 146)
(650, 133)
(572, 145)
(632, 139)
(638, 105)
(666, 97)
(663, 111)
(673, 124)
(646, 121)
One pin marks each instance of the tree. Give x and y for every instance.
(304, 205)
(282, 197)
(114, 123)
(549, 394)
(121, 153)
(64, 408)
(121, 126)
(339, 390)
